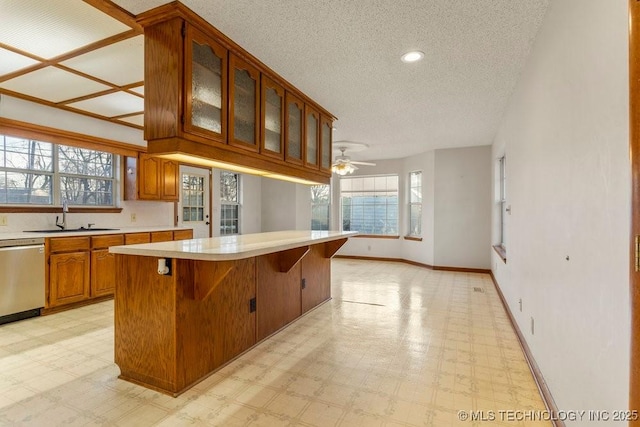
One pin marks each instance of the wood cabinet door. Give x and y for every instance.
(169, 180)
(148, 177)
(205, 86)
(244, 104)
(316, 276)
(294, 128)
(277, 295)
(312, 137)
(103, 273)
(182, 234)
(161, 236)
(272, 119)
(68, 278)
(326, 131)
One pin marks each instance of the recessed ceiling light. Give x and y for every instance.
(413, 56)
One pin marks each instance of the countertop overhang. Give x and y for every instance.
(234, 247)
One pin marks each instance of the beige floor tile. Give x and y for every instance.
(398, 345)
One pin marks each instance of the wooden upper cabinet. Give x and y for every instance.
(294, 128)
(326, 128)
(312, 137)
(272, 119)
(205, 86)
(244, 105)
(157, 179)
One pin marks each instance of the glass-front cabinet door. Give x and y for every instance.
(312, 137)
(206, 86)
(244, 108)
(272, 118)
(294, 126)
(326, 126)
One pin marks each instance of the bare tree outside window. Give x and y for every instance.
(31, 170)
(229, 203)
(320, 207)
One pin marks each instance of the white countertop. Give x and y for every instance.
(232, 247)
(121, 230)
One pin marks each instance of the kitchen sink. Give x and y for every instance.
(70, 230)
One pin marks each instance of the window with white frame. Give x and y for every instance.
(502, 184)
(370, 204)
(320, 207)
(42, 173)
(229, 203)
(415, 204)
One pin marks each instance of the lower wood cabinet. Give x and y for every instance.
(278, 294)
(68, 277)
(81, 268)
(103, 264)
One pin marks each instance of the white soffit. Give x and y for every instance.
(10, 62)
(50, 28)
(119, 63)
(53, 84)
(136, 120)
(113, 104)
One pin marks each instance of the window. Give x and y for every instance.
(502, 164)
(415, 204)
(42, 173)
(320, 207)
(370, 204)
(193, 198)
(229, 203)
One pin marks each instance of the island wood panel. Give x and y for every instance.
(145, 318)
(213, 330)
(316, 272)
(278, 294)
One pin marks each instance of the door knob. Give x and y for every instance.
(207, 223)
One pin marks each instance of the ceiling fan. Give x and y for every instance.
(343, 164)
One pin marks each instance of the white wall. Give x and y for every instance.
(456, 216)
(285, 206)
(565, 136)
(462, 203)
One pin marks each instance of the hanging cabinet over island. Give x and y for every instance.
(219, 298)
(208, 98)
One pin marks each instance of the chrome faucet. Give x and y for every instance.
(65, 209)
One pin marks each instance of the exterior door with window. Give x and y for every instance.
(195, 201)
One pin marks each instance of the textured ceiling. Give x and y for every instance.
(345, 54)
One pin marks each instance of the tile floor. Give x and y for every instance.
(398, 345)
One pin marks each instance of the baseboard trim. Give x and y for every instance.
(547, 398)
(419, 264)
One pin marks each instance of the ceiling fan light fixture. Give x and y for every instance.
(343, 168)
(412, 56)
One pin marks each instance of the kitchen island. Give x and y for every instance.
(183, 309)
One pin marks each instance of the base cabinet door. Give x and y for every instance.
(103, 273)
(69, 277)
(277, 295)
(316, 277)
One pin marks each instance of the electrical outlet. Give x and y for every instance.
(520, 302)
(133, 217)
(4, 220)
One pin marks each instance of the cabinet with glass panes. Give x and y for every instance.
(207, 97)
(272, 118)
(244, 105)
(206, 86)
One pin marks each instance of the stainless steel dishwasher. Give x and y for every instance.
(21, 278)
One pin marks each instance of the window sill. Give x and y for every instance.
(500, 250)
(58, 209)
(414, 238)
(375, 236)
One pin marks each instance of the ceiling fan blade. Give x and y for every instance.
(362, 163)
